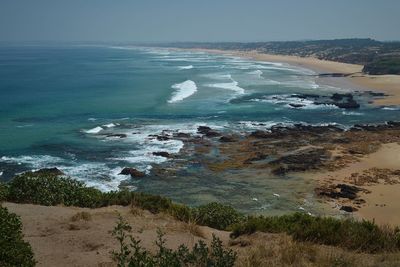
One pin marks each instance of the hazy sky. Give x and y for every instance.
(200, 20)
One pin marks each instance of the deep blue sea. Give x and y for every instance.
(58, 103)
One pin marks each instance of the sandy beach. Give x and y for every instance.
(380, 194)
(387, 84)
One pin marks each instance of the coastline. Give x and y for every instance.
(387, 84)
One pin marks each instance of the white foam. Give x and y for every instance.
(186, 67)
(257, 73)
(110, 125)
(352, 113)
(94, 130)
(390, 108)
(1, 173)
(35, 161)
(233, 85)
(183, 90)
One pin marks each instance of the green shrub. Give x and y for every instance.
(132, 254)
(3, 192)
(14, 251)
(152, 203)
(50, 190)
(357, 235)
(181, 212)
(217, 215)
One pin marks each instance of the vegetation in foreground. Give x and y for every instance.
(49, 189)
(349, 234)
(132, 254)
(14, 251)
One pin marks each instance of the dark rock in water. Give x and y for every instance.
(296, 105)
(376, 94)
(132, 172)
(117, 135)
(338, 97)
(182, 135)
(350, 104)
(304, 160)
(260, 134)
(162, 138)
(162, 154)
(49, 171)
(348, 208)
(212, 134)
(227, 139)
(207, 131)
(305, 96)
(203, 129)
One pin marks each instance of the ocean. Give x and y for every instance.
(61, 105)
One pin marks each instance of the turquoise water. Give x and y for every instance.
(58, 103)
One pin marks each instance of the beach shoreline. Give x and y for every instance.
(387, 84)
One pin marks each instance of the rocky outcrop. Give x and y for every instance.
(117, 135)
(49, 171)
(132, 172)
(207, 131)
(162, 154)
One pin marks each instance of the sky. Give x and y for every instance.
(200, 20)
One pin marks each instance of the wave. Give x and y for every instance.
(183, 90)
(110, 125)
(95, 130)
(352, 113)
(391, 108)
(233, 85)
(258, 73)
(186, 67)
(35, 161)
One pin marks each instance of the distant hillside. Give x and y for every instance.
(377, 57)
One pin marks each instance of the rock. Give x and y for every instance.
(350, 104)
(132, 172)
(304, 160)
(345, 191)
(260, 134)
(203, 129)
(162, 138)
(212, 134)
(375, 94)
(348, 208)
(296, 105)
(49, 171)
(207, 131)
(162, 154)
(182, 135)
(338, 97)
(227, 139)
(117, 135)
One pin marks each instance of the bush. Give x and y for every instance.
(357, 235)
(50, 190)
(3, 192)
(132, 254)
(217, 215)
(14, 251)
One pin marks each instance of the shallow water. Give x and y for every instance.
(57, 105)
